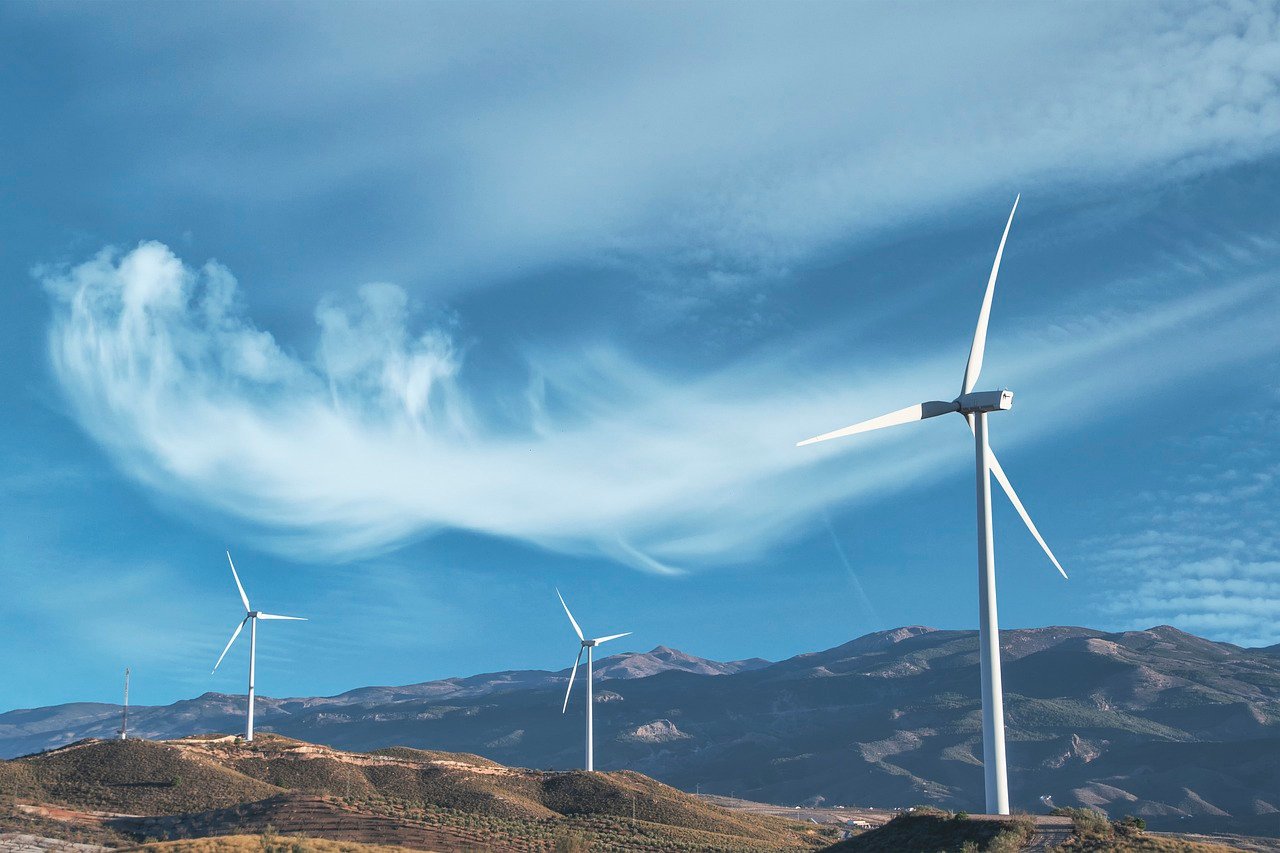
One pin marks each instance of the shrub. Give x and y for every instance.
(573, 843)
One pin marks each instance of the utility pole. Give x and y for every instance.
(124, 713)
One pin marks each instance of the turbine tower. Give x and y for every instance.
(251, 616)
(587, 646)
(975, 406)
(124, 711)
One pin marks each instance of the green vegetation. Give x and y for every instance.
(264, 844)
(1095, 834)
(1030, 717)
(926, 830)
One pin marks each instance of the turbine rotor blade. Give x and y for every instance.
(573, 621)
(239, 586)
(918, 412)
(600, 640)
(274, 616)
(998, 470)
(571, 675)
(234, 634)
(974, 365)
(1003, 480)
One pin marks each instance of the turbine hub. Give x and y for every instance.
(588, 643)
(984, 401)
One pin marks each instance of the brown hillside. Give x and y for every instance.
(210, 786)
(138, 777)
(260, 844)
(315, 817)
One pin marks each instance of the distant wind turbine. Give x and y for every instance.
(975, 406)
(124, 710)
(251, 616)
(587, 646)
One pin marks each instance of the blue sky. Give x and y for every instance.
(423, 310)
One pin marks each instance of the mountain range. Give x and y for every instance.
(1162, 724)
(25, 731)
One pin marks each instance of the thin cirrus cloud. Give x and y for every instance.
(713, 143)
(1201, 550)
(380, 436)
(775, 137)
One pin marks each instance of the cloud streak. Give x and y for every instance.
(718, 144)
(380, 436)
(1201, 552)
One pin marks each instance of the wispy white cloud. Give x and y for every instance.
(1202, 553)
(723, 143)
(379, 437)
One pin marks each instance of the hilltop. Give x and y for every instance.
(1080, 831)
(1162, 724)
(120, 792)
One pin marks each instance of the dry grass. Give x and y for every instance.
(13, 819)
(264, 844)
(138, 777)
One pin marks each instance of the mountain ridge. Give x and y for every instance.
(1157, 722)
(101, 719)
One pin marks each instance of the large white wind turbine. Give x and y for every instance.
(251, 616)
(587, 646)
(975, 405)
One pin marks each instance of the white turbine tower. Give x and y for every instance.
(587, 646)
(124, 711)
(251, 616)
(975, 406)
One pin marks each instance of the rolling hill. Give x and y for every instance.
(118, 792)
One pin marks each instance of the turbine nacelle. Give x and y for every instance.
(251, 618)
(975, 406)
(984, 401)
(585, 646)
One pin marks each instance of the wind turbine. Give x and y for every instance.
(251, 616)
(975, 406)
(587, 646)
(124, 711)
